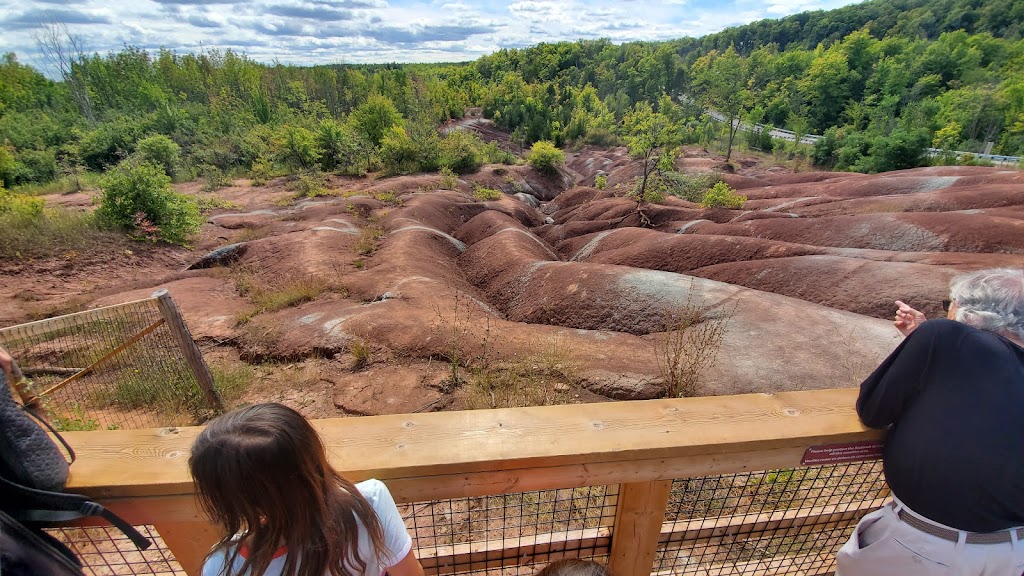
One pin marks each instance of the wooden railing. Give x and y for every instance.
(635, 449)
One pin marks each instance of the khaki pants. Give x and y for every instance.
(883, 545)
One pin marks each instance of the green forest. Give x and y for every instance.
(881, 80)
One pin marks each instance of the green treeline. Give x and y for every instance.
(882, 81)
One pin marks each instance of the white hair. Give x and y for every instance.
(992, 300)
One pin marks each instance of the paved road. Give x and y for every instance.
(812, 138)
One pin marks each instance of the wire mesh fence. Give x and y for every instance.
(105, 551)
(789, 521)
(513, 534)
(116, 367)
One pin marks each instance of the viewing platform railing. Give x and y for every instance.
(702, 486)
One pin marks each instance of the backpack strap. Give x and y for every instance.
(53, 431)
(48, 507)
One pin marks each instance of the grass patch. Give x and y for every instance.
(211, 203)
(143, 385)
(486, 194)
(231, 380)
(690, 344)
(544, 378)
(360, 351)
(368, 237)
(54, 231)
(63, 185)
(271, 298)
(449, 180)
(311, 184)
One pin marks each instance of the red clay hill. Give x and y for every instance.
(557, 273)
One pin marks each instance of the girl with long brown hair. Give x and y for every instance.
(262, 474)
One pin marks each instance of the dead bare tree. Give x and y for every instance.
(64, 52)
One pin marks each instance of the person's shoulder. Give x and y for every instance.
(372, 489)
(940, 327)
(216, 563)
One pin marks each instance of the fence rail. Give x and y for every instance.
(131, 365)
(685, 486)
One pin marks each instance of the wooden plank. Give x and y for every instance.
(814, 564)
(192, 354)
(638, 527)
(704, 530)
(150, 509)
(588, 443)
(43, 327)
(521, 550)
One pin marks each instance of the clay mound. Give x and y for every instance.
(491, 223)
(758, 215)
(804, 177)
(855, 187)
(513, 179)
(210, 306)
(960, 171)
(603, 297)
(308, 253)
(443, 211)
(956, 232)
(576, 197)
(950, 199)
(769, 205)
(680, 253)
(862, 286)
(742, 182)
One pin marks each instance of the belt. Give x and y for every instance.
(1000, 537)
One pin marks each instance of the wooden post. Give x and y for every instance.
(188, 346)
(189, 542)
(638, 518)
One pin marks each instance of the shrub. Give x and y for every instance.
(374, 118)
(28, 230)
(449, 181)
(339, 146)
(311, 183)
(486, 194)
(18, 206)
(461, 151)
(299, 148)
(601, 182)
(34, 166)
(261, 172)
(215, 177)
(691, 187)
(398, 152)
(545, 157)
(722, 195)
(141, 187)
(160, 150)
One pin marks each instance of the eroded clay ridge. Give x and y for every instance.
(806, 273)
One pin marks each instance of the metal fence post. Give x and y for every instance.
(188, 346)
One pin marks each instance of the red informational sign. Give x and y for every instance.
(845, 452)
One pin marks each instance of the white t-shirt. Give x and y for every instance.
(397, 542)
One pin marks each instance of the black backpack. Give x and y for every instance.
(33, 472)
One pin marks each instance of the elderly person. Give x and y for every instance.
(952, 397)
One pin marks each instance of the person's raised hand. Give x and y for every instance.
(907, 319)
(6, 363)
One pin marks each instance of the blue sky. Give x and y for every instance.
(356, 31)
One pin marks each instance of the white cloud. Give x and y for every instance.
(324, 31)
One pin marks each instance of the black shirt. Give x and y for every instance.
(954, 397)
